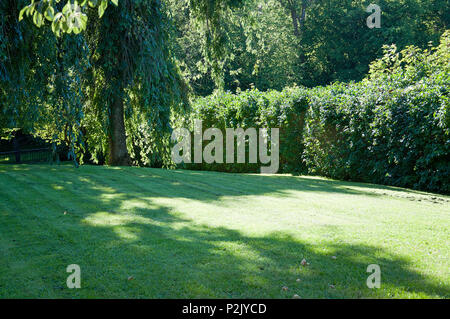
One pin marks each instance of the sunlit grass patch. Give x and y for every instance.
(185, 234)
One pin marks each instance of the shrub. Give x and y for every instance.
(391, 128)
(255, 109)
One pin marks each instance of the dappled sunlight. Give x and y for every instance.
(228, 236)
(19, 168)
(113, 219)
(131, 204)
(96, 186)
(112, 196)
(272, 260)
(57, 187)
(127, 233)
(401, 193)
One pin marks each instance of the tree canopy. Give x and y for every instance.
(106, 77)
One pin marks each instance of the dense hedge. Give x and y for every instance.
(381, 134)
(392, 128)
(255, 109)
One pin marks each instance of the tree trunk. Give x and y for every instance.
(295, 19)
(118, 152)
(303, 16)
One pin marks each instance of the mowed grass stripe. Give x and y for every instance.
(206, 234)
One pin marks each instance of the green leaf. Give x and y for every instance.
(84, 20)
(22, 12)
(65, 27)
(67, 8)
(102, 7)
(55, 26)
(49, 13)
(38, 19)
(57, 16)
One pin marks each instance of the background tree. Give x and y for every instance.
(276, 43)
(130, 67)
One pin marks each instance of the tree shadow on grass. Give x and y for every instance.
(170, 257)
(211, 186)
(150, 251)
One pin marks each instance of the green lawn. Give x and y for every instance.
(187, 234)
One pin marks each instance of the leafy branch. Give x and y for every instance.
(71, 18)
